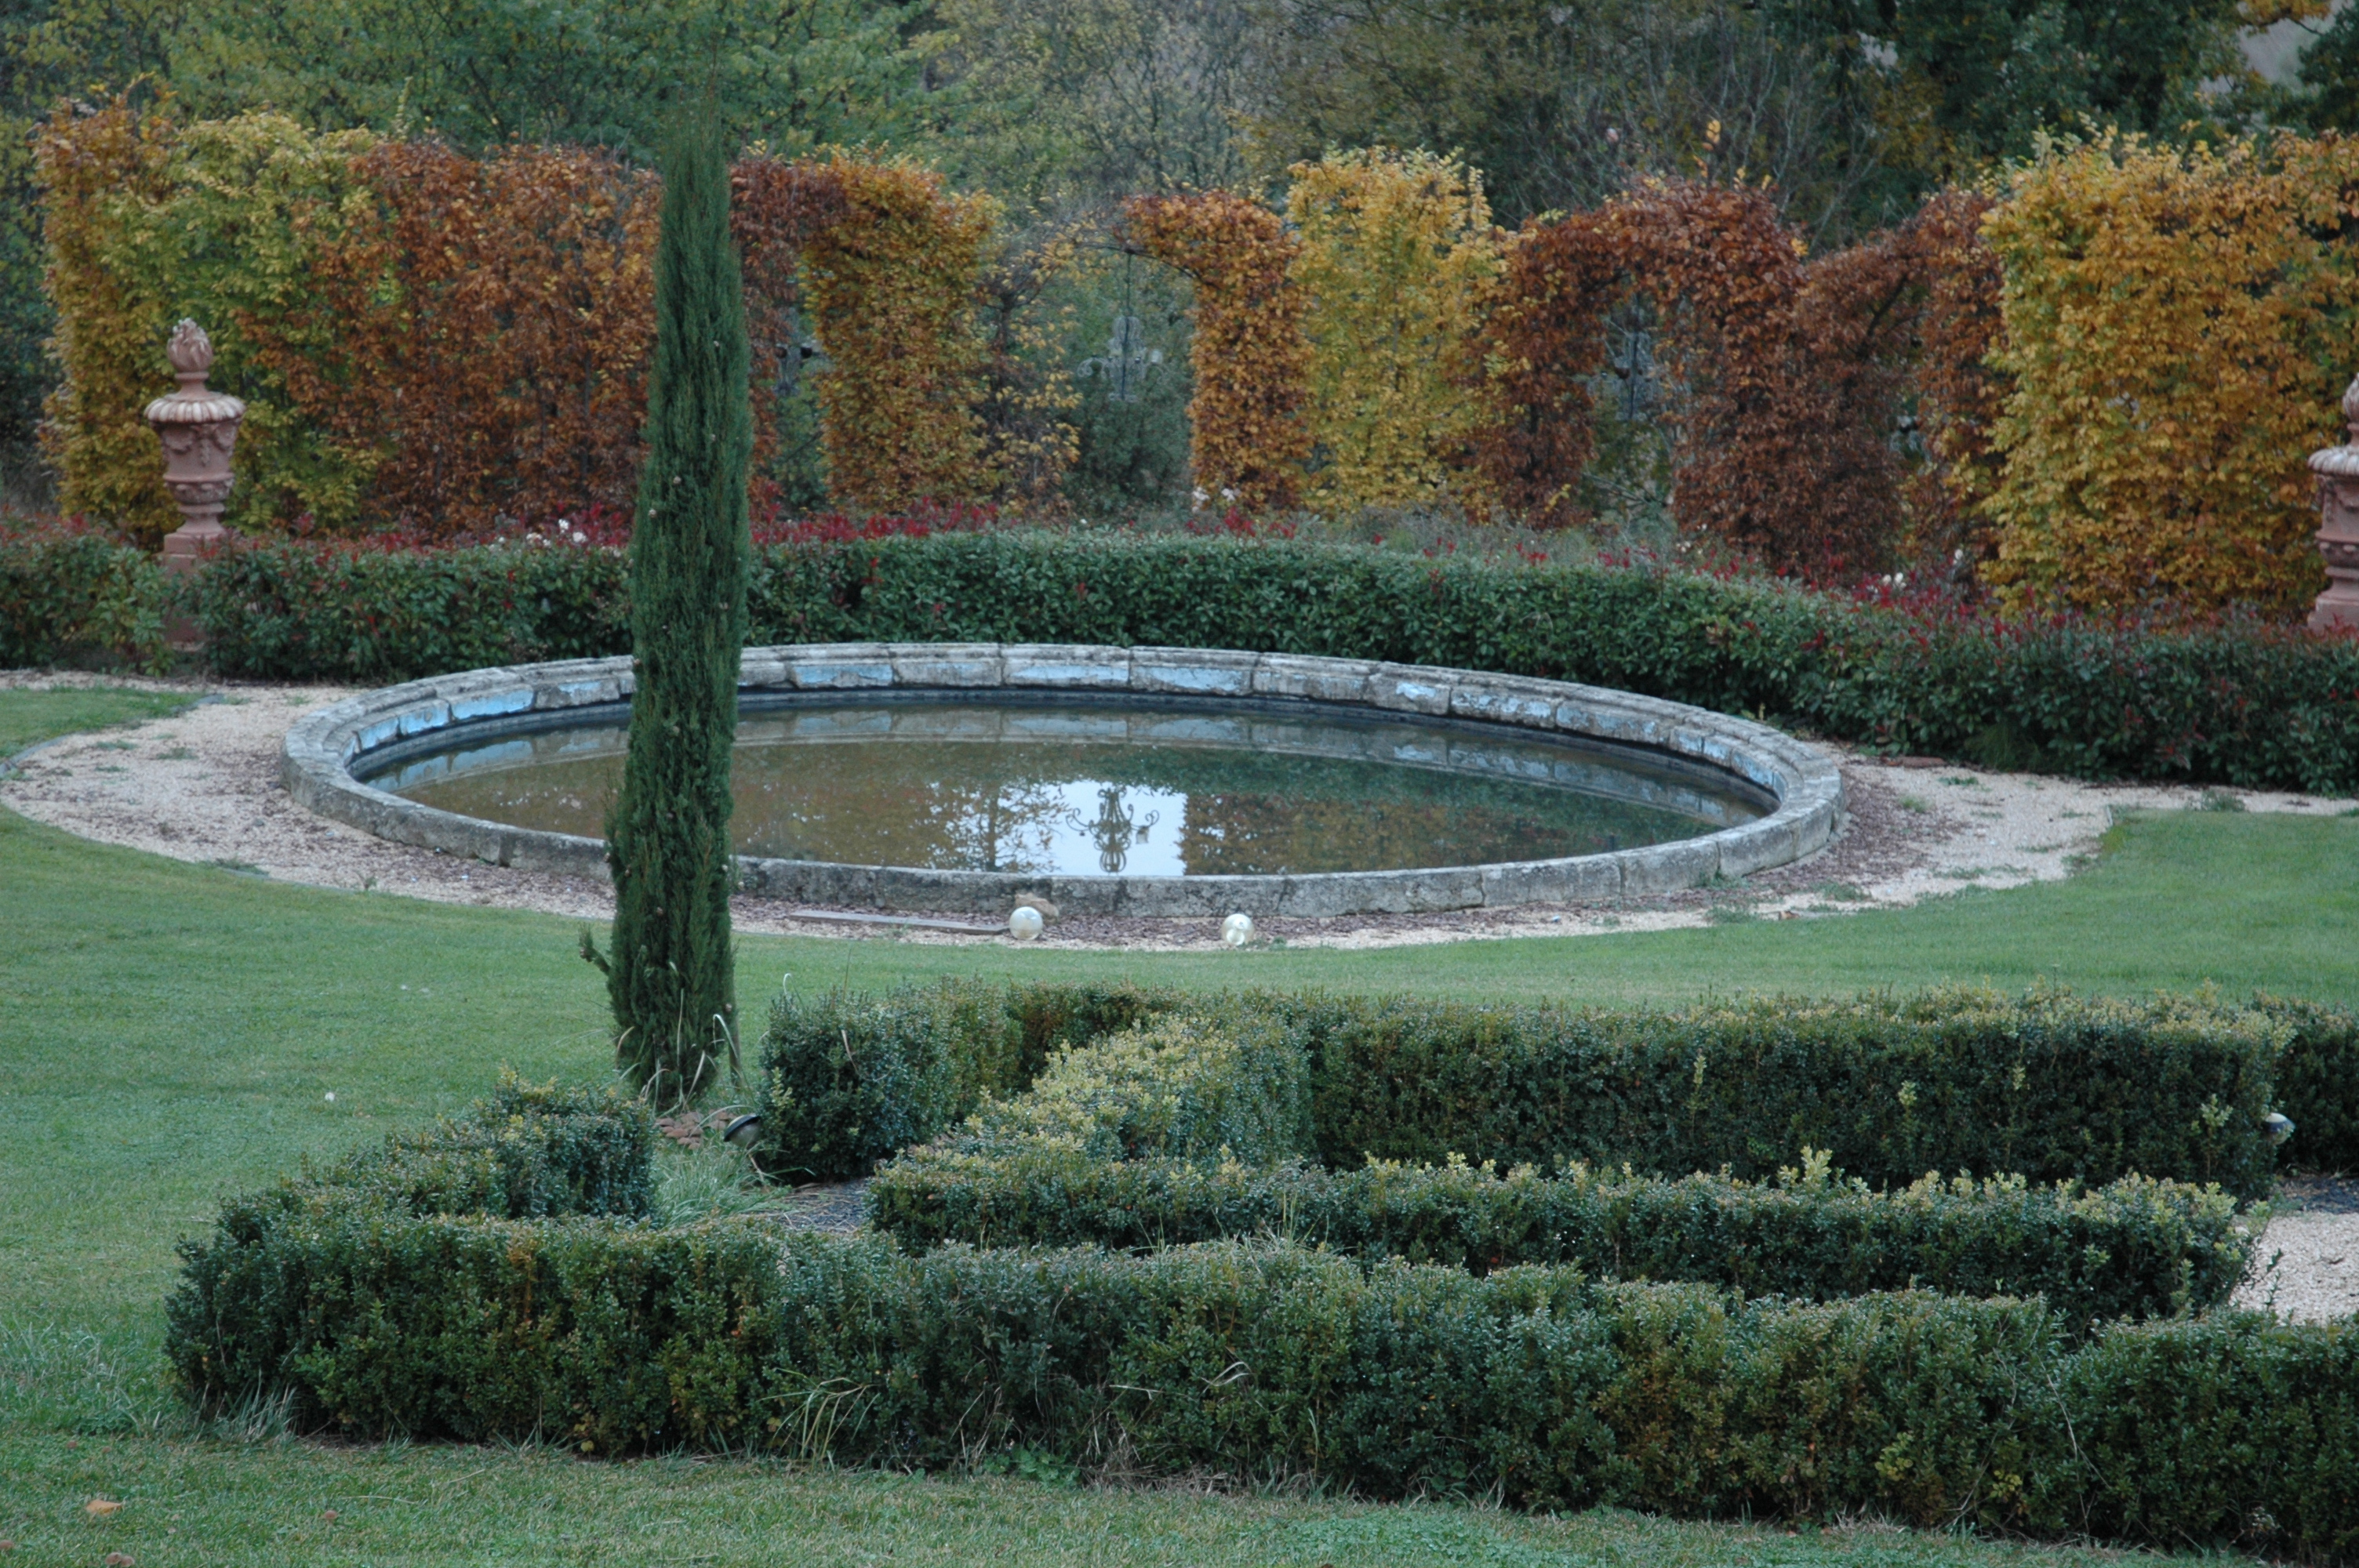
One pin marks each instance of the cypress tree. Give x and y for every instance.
(670, 975)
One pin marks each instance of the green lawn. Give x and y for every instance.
(28, 717)
(169, 1033)
(268, 1505)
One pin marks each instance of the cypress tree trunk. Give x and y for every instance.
(670, 975)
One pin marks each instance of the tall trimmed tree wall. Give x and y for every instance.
(670, 974)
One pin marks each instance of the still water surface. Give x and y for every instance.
(1135, 789)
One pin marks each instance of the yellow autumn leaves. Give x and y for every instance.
(2178, 328)
(1396, 250)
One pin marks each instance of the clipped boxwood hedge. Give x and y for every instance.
(2317, 1082)
(2231, 703)
(1175, 1131)
(1534, 1385)
(2049, 1086)
(2133, 1249)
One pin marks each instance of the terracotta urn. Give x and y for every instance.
(198, 429)
(2337, 469)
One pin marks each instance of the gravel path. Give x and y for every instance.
(2307, 1266)
(203, 786)
(841, 1207)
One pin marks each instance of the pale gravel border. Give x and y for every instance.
(2306, 1267)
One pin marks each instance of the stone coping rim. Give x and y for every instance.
(321, 748)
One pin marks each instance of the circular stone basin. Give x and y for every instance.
(1151, 780)
(1096, 784)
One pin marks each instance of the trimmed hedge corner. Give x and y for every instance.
(68, 592)
(2318, 1083)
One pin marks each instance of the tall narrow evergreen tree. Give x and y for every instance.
(670, 973)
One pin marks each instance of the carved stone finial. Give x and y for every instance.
(191, 353)
(197, 428)
(192, 356)
(2337, 469)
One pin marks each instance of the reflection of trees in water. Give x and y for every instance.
(1117, 829)
(973, 804)
(1242, 834)
(873, 805)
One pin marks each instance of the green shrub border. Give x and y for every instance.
(2232, 702)
(2049, 1086)
(2229, 702)
(1268, 1360)
(2136, 1248)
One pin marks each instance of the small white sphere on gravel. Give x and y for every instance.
(1237, 930)
(1025, 923)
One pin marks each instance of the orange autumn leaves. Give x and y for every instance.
(2096, 382)
(1389, 346)
(2093, 381)
(447, 344)
(2178, 329)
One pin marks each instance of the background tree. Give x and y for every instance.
(1072, 106)
(670, 978)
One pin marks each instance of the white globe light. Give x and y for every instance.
(1237, 930)
(1025, 923)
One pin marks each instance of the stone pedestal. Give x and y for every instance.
(2337, 469)
(199, 429)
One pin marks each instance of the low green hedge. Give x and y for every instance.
(524, 1154)
(294, 609)
(850, 1078)
(73, 594)
(2049, 1086)
(2135, 1248)
(1531, 1385)
(2229, 703)
(2318, 1083)
(1168, 1087)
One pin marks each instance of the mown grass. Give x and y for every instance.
(169, 1033)
(224, 1506)
(27, 717)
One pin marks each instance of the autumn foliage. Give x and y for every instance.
(1251, 358)
(476, 338)
(2177, 332)
(2091, 386)
(1397, 249)
(441, 344)
(890, 286)
(1541, 341)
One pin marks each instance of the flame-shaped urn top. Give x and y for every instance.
(192, 356)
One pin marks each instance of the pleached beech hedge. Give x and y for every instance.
(442, 343)
(395, 1294)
